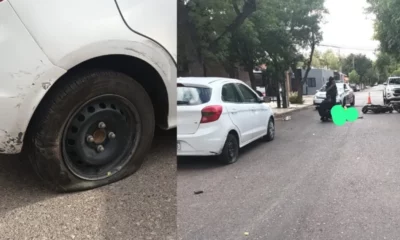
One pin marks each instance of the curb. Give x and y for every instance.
(292, 111)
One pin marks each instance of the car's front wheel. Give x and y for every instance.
(92, 129)
(270, 132)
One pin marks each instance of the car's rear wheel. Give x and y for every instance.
(230, 152)
(92, 129)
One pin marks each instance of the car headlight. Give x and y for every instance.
(389, 90)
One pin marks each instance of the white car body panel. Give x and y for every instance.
(166, 12)
(249, 120)
(42, 40)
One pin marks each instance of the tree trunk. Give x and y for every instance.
(252, 77)
(204, 69)
(284, 99)
(249, 7)
(313, 43)
(278, 96)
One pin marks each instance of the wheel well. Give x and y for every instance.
(139, 70)
(234, 133)
(273, 119)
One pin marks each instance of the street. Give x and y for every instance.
(314, 181)
(142, 206)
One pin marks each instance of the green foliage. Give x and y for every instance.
(294, 98)
(273, 34)
(326, 59)
(387, 19)
(359, 62)
(354, 77)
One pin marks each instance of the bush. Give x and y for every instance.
(295, 99)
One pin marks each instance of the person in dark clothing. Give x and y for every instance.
(330, 100)
(331, 90)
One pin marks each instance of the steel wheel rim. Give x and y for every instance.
(83, 156)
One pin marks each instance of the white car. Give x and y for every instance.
(345, 95)
(217, 116)
(83, 84)
(391, 92)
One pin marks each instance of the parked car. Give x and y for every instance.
(345, 95)
(391, 91)
(84, 85)
(217, 116)
(355, 87)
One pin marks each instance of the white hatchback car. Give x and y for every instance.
(217, 116)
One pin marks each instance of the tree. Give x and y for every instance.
(387, 13)
(354, 77)
(330, 60)
(204, 30)
(358, 62)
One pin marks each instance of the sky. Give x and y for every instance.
(348, 26)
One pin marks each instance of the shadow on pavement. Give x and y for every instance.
(211, 162)
(19, 185)
(144, 206)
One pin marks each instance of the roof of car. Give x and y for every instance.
(205, 80)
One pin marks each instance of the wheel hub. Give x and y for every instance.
(100, 137)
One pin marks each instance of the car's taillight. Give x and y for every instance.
(211, 113)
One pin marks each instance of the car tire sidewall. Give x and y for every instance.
(47, 156)
(225, 158)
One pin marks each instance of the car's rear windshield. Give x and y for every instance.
(394, 81)
(193, 95)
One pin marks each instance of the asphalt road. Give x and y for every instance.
(142, 206)
(314, 181)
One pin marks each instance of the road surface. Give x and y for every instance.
(314, 181)
(142, 206)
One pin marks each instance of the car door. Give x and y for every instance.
(252, 101)
(240, 114)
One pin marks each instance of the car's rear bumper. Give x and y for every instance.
(25, 76)
(207, 141)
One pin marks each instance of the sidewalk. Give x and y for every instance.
(278, 112)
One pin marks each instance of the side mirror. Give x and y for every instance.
(260, 94)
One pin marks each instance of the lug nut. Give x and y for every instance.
(111, 135)
(90, 139)
(100, 148)
(102, 125)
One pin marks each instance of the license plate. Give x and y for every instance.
(178, 146)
